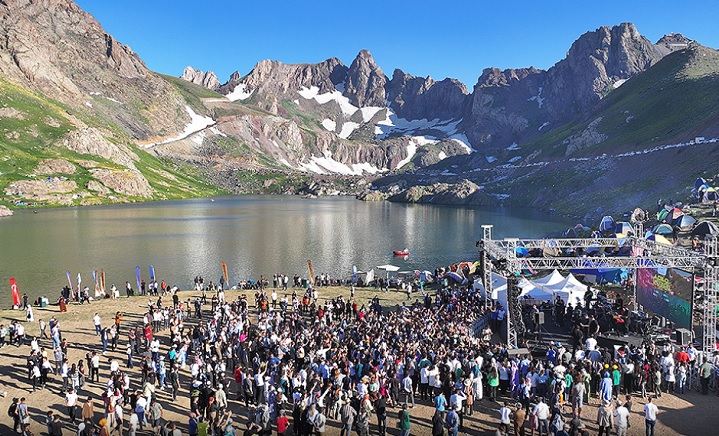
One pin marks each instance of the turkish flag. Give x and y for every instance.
(15, 293)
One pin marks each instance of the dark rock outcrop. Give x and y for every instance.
(413, 97)
(209, 80)
(365, 85)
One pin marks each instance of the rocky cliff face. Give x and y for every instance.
(55, 48)
(413, 97)
(514, 105)
(209, 80)
(365, 84)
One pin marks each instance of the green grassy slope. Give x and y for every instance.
(673, 101)
(32, 128)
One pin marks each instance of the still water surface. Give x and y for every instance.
(253, 234)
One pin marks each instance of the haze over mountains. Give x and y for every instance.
(587, 132)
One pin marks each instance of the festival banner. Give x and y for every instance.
(79, 282)
(138, 276)
(152, 273)
(15, 293)
(69, 280)
(312, 274)
(98, 289)
(102, 281)
(224, 273)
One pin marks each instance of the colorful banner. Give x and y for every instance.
(224, 273)
(152, 273)
(69, 280)
(102, 281)
(15, 293)
(138, 276)
(312, 274)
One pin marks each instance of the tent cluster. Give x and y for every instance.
(703, 192)
(547, 288)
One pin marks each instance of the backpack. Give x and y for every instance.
(11, 410)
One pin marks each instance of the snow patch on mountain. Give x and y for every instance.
(329, 124)
(240, 93)
(538, 98)
(197, 123)
(326, 164)
(347, 129)
(411, 151)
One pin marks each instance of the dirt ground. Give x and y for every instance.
(690, 414)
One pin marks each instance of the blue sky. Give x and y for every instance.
(439, 39)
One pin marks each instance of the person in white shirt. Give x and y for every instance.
(541, 411)
(650, 416)
(456, 400)
(98, 322)
(407, 390)
(71, 403)
(591, 344)
(621, 419)
(504, 414)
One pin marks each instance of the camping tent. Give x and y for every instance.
(659, 239)
(699, 182)
(662, 215)
(606, 224)
(663, 229)
(674, 214)
(710, 195)
(685, 222)
(705, 228)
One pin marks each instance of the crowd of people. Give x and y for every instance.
(299, 363)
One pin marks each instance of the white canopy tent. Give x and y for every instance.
(549, 280)
(498, 283)
(570, 290)
(528, 291)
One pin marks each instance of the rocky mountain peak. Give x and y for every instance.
(496, 77)
(421, 97)
(209, 80)
(674, 42)
(366, 82)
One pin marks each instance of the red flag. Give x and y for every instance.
(15, 293)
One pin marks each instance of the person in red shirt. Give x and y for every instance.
(238, 379)
(282, 423)
(682, 356)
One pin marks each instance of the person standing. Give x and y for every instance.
(407, 389)
(23, 415)
(347, 418)
(705, 373)
(621, 419)
(518, 417)
(71, 403)
(541, 412)
(452, 422)
(437, 424)
(650, 416)
(404, 421)
(604, 418)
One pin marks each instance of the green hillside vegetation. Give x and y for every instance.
(669, 102)
(192, 93)
(32, 128)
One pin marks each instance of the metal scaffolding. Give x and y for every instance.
(639, 253)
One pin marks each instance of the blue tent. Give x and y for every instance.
(607, 224)
(699, 182)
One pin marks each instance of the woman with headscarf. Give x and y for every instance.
(605, 387)
(104, 430)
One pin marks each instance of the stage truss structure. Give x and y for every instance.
(642, 254)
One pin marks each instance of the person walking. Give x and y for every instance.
(650, 416)
(408, 389)
(71, 403)
(621, 419)
(705, 373)
(404, 421)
